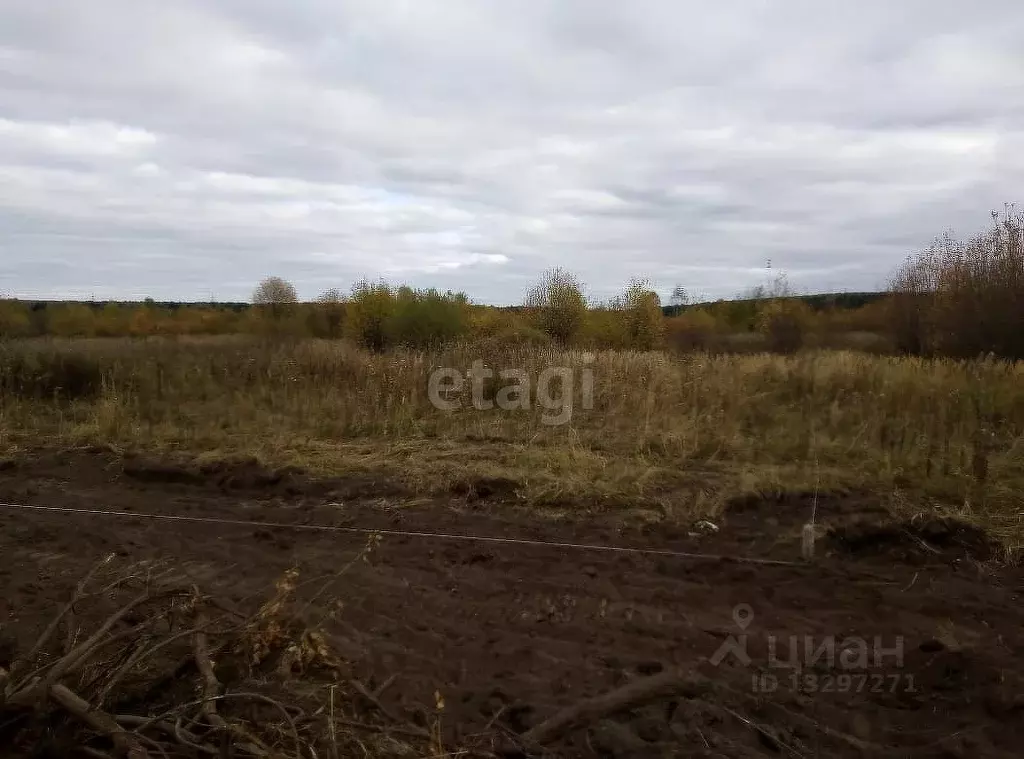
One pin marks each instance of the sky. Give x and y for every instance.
(185, 150)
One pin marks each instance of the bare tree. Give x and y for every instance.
(276, 297)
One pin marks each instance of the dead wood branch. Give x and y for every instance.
(74, 689)
(187, 739)
(126, 743)
(277, 705)
(868, 748)
(254, 747)
(23, 694)
(94, 752)
(211, 685)
(763, 732)
(374, 701)
(135, 721)
(141, 654)
(80, 653)
(628, 696)
(126, 665)
(21, 664)
(410, 731)
(385, 685)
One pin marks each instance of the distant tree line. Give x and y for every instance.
(380, 316)
(957, 298)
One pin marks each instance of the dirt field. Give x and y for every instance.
(510, 633)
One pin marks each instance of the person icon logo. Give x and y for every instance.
(743, 616)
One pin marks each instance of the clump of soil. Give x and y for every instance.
(794, 508)
(248, 475)
(155, 472)
(485, 487)
(936, 537)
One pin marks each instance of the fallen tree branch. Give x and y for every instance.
(135, 721)
(140, 655)
(410, 731)
(188, 740)
(632, 694)
(867, 747)
(51, 628)
(23, 694)
(126, 743)
(254, 747)
(123, 669)
(211, 685)
(373, 700)
(94, 752)
(763, 733)
(74, 685)
(385, 685)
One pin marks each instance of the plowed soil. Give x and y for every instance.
(510, 633)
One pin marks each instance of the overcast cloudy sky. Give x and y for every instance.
(183, 150)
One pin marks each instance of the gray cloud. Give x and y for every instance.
(188, 149)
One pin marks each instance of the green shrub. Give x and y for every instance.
(604, 328)
(379, 317)
(645, 324)
(14, 319)
(693, 330)
(427, 318)
(70, 320)
(326, 318)
(784, 322)
(557, 305)
(369, 311)
(48, 373)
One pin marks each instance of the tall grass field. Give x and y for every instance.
(661, 434)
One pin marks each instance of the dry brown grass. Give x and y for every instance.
(673, 434)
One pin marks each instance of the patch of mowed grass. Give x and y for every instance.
(664, 430)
